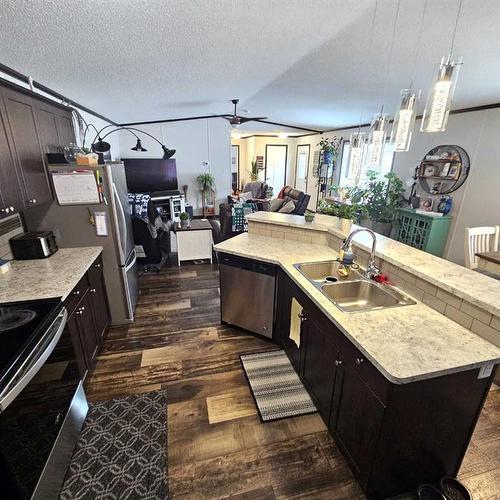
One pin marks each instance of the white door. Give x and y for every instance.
(302, 167)
(276, 166)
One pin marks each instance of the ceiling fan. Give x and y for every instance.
(236, 120)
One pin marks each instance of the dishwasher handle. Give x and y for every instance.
(248, 264)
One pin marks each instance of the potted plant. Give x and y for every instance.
(255, 170)
(329, 149)
(383, 198)
(206, 182)
(184, 217)
(309, 216)
(347, 214)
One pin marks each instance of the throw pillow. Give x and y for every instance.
(287, 208)
(276, 204)
(246, 196)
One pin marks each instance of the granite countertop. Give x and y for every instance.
(405, 343)
(55, 276)
(474, 287)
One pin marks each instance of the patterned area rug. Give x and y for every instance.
(277, 389)
(122, 451)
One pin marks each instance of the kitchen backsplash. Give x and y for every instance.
(9, 227)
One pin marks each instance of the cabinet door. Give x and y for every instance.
(356, 418)
(11, 197)
(47, 122)
(72, 326)
(98, 299)
(319, 371)
(87, 329)
(22, 122)
(286, 292)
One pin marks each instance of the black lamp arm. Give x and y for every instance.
(117, 129)
(86, 130)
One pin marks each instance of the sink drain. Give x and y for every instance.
(331, 279)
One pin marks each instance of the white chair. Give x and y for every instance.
(478, 240)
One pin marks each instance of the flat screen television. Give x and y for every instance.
(148, 175)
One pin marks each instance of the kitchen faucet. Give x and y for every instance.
(371, 269)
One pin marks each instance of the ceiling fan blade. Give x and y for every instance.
(252, 119)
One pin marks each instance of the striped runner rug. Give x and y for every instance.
(277, 389)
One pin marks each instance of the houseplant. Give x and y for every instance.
(383, 196)
(255, 170)
(206, 181)
(184, 217)
(329, 149)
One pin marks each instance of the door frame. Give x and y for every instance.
(286, 163)
(296, 163)
(237, 146)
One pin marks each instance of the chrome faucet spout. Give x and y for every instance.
(371, 269)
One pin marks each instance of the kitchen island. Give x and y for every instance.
(400, 388)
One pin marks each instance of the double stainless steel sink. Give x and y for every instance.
(353, 293)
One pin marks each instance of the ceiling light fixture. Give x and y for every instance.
(357, 151)
(438, 106)
(404, 118)
(379, 125)
(282, 135)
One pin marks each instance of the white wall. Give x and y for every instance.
(477, 202)
(196, 142)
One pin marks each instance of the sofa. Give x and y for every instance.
(300, 199)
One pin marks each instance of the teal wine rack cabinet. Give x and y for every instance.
(425, 232)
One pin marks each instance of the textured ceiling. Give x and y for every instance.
(311, 63)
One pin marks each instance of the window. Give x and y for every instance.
(347, 178)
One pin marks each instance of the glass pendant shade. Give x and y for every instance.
(357, 150)
(404, 120)
(376, 140)
(440, 96)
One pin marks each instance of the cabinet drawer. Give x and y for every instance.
(76, 294)
(366, 370)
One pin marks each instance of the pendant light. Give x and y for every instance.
(438, 106)
(357, 151)
(380, 122)
(376, 140)
(404, 118)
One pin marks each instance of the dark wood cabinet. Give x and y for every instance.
(30, 127)
(394, 436)
(11, 197)
(28, 150)
(88, 316)
(321, 351)
(98, 299)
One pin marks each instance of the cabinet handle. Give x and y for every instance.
(5, 210)
(79, 312)
(92, 290)
(76, 292)
(98, 266)
(359, 361)
(302, 317)
(32, 201)
(11, 209)
(338, 362)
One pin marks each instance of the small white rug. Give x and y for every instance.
(277, 389)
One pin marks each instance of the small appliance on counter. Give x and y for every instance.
(34, 245)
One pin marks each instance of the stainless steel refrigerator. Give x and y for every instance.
(73, 227)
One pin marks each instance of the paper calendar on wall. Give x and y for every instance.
(76, 188)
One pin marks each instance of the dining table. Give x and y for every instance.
(489, 262)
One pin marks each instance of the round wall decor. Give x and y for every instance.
(443, 169)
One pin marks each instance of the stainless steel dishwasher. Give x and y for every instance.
(247, 289)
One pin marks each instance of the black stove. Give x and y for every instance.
(22, 325)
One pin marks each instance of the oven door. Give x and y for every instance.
(42, 412)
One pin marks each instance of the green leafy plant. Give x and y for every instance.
(332, 145)
(184, 216)
(206, 182)
(255, 170)
(383, 196)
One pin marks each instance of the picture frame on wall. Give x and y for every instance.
(426, 204)
(445, 170)
(454, 171)
(429, 171)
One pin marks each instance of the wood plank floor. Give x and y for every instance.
(218, 448)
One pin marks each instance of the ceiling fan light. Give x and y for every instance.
(438, 106)
(101, 146)
(357, 151)
(376, 140)
(138, 146)
(167, 153)
(404, 120)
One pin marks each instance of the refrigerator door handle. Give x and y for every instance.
(132, 263)
(124, 236)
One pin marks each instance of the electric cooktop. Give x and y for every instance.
(22, 324)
